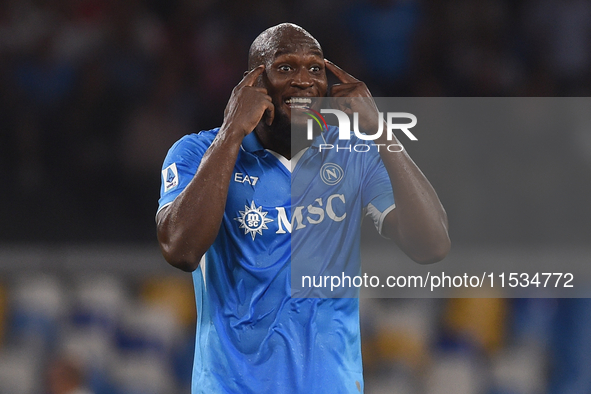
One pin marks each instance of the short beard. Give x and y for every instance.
(282, 136)
(280, 133)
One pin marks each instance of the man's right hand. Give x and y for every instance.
(248, 104)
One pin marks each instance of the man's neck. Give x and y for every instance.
(284, 147)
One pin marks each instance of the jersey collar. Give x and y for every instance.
(251, 143)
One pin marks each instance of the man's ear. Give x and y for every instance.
(244, 75)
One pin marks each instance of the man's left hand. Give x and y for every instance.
(354, 96)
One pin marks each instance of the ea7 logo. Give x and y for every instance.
(244, 178)
(345, 125)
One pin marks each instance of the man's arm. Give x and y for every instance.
(189, 225)
(418, 224)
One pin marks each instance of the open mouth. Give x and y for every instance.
(299, 102)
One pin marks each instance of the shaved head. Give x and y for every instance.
(285, 37)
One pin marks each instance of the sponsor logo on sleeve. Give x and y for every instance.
(170, 177)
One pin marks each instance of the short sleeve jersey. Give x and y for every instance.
(252, 335)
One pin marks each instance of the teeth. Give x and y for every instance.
(299, 102)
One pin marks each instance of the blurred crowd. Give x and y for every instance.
(94, 92)
(96, 334)
(106, 334)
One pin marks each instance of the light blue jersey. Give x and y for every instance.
(252, 337)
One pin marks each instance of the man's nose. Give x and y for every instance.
(302, 79)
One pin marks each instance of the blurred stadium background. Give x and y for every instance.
(94, 92)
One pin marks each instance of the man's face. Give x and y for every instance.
(296, 70)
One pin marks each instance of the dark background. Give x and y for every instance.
(94, 92)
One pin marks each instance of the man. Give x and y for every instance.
(224, 203)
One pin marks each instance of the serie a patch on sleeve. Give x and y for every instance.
(170, 177)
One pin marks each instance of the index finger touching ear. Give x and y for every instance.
(341, 74)
(251, 77)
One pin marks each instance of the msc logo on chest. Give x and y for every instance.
(253, 220)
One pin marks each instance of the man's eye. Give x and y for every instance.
(284, 68)
(315, 69)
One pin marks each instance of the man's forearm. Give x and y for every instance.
(419, 223)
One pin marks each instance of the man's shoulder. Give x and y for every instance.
(201, 137)
(191, 144)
